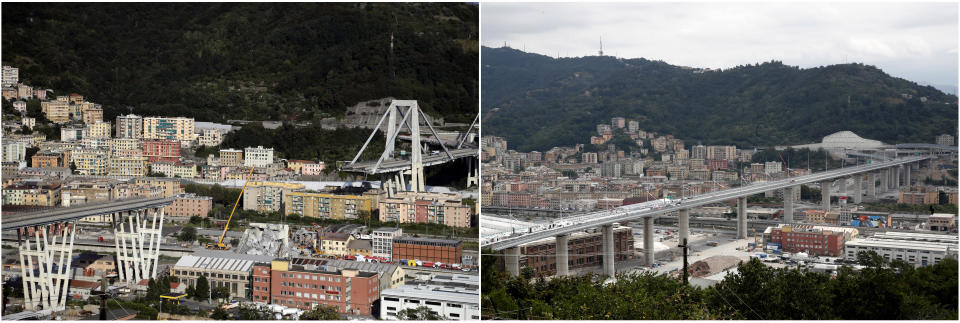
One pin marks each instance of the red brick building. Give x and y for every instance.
(584, 250)
(427, 249)
(162, 150)
(814, 241)
(350, 291)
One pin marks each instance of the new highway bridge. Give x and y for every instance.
(890, 174)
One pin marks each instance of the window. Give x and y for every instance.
(432, 303)
(454, 305)
(391, 299)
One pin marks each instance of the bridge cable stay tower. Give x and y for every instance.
(393, 177)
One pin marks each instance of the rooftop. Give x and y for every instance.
(215, 263)
(434, 292)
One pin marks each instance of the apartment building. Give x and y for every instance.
(267, 196)
(161, 150)
(328, 205)
(129, 126)
(173, 128)
(99, 130)
(231, 157)
(918, 195)
(132, 165)
(93, 115)
(257, 157)
(56, 111)
(382, 241)
(90, 161)
(210, 138)
(189, 205)
(423, 207)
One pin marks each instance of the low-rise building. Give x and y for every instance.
(221, 271)
(451, 303)
(382, 241)
(257, 157)
(350, 291)
(427, 249)
(329, 205)
(231, 157)
(918, 195)
(917, 253)
(942, 221)
(814, 240)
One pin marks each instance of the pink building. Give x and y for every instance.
(312, 169)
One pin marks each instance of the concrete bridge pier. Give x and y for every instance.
(609, 254)
(47, 287)
(906, 175)
(787, 204)
(825, 187)
(842, 186)
(896, 178)
(684, 223)
(872, 185)
(884, 180)
(858, 189)
(741, 218)
(563, 265)
(511, 257)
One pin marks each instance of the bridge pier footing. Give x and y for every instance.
(563, 265)
(46, 288)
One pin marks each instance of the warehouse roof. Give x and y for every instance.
(215, 263)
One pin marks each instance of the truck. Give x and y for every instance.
(713, 243)
(426, 264)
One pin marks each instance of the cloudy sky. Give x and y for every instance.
(915, 41)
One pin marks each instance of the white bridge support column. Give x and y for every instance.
(825, 187)
(787, 205)
(872, 185)
(858, 189)
(884, 180)
(609, 254)
(511, 257)
(842, 183)
(46, 287)
(896, 177)
(741, 218)
(563, 265)
(649, 250)
(137, 241)
(684, 222)
(906, 175)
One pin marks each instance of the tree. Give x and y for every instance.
(202, 289)
(187, 234)
(196, 220)
(321, 313)
(219, 314)
(220, 293)
(421, 313)
(25, 130)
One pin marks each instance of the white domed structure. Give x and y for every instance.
(844, 140)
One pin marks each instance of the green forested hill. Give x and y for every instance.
(256, 61)
(538, 102)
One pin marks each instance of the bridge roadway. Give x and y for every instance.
(65, 214)
(390, 166)
(623, 214)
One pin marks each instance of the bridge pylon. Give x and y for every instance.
(46, 287)
(137, 239)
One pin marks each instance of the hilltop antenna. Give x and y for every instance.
(601, 45)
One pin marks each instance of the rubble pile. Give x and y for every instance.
(266, 239)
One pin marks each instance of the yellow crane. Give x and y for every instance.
(220, 245)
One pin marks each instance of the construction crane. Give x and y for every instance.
(220, 245)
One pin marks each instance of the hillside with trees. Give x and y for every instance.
(537, 102)
(253, 61)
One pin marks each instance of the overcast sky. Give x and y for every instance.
(915, 41)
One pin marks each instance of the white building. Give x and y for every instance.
(11, 75)
(452, 303)
(14, 151)
(20, 106)
(916, 252)
(772, 167)
(68, 134)
(210, 138)
(945, 140)
(257, 157)
(177, 128)
(382, 242)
